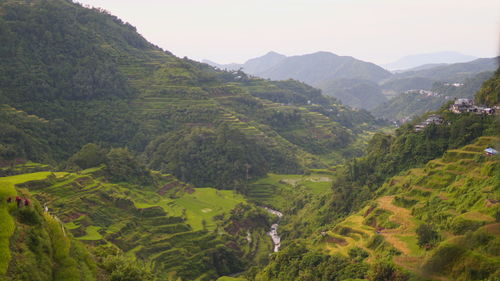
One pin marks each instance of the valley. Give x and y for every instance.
(120, 161)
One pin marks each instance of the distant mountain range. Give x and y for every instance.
(413, 61)
(324, 70)
(358, 83)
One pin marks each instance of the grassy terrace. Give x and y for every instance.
(463, 184)
(277, 190)
(98, 212)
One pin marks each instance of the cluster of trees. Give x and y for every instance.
(221, 157)
(297, 262)
(121, 164)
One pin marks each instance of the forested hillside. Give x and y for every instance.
(85, 76)
(418, 206)
(89, 107)
(120, 161)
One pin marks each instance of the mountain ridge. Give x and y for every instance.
(412, 61)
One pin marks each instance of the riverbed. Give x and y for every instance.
(273, 232)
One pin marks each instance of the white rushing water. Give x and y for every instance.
(273, 232)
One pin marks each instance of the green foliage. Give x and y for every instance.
(29, 216)
(386, 271)
(121, 268)
(490, 92)
(461, 225)
(357, 254)
(223, 157)
(296, 262)
(91, 155)
(427, 236)
(121, 165)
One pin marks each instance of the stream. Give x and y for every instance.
(273, 232)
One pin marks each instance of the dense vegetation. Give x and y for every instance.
(84, 76)
(490, 92)
(439, 220)
(128, 137)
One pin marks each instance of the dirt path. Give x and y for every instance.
(402, 217)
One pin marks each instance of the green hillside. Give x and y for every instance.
(437, 222)
(173, 226)
(139, 165)
(34, 244)
(94, 79)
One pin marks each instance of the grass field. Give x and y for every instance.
(17, 179)
(277, 190)
(205, 203)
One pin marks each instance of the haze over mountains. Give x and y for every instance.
(120, 161)
(433, 59)
(363, 84)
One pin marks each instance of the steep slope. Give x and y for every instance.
(415, 102)
(435, 221)
(168, 223)
(420, 205)
(355, 92)
(490, 92)
(86, 76)
(34, 244)
(326, 71)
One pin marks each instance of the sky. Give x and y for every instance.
(379, 31)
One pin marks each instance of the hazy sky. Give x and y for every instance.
(379, 31)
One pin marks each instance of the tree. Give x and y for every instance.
(121, 165)
(91, 155)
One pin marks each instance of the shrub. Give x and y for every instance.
(427, 236)
(460, 225)
(386, 271)
(357, 254)
(121, 268)
(28, 216)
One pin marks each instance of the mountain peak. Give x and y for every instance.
(273, 53)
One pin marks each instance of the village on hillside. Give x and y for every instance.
(467, 105)
(460, 106)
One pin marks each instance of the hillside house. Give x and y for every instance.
(490, 151)
(431, 119)
(461, 106)
(467, 105)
